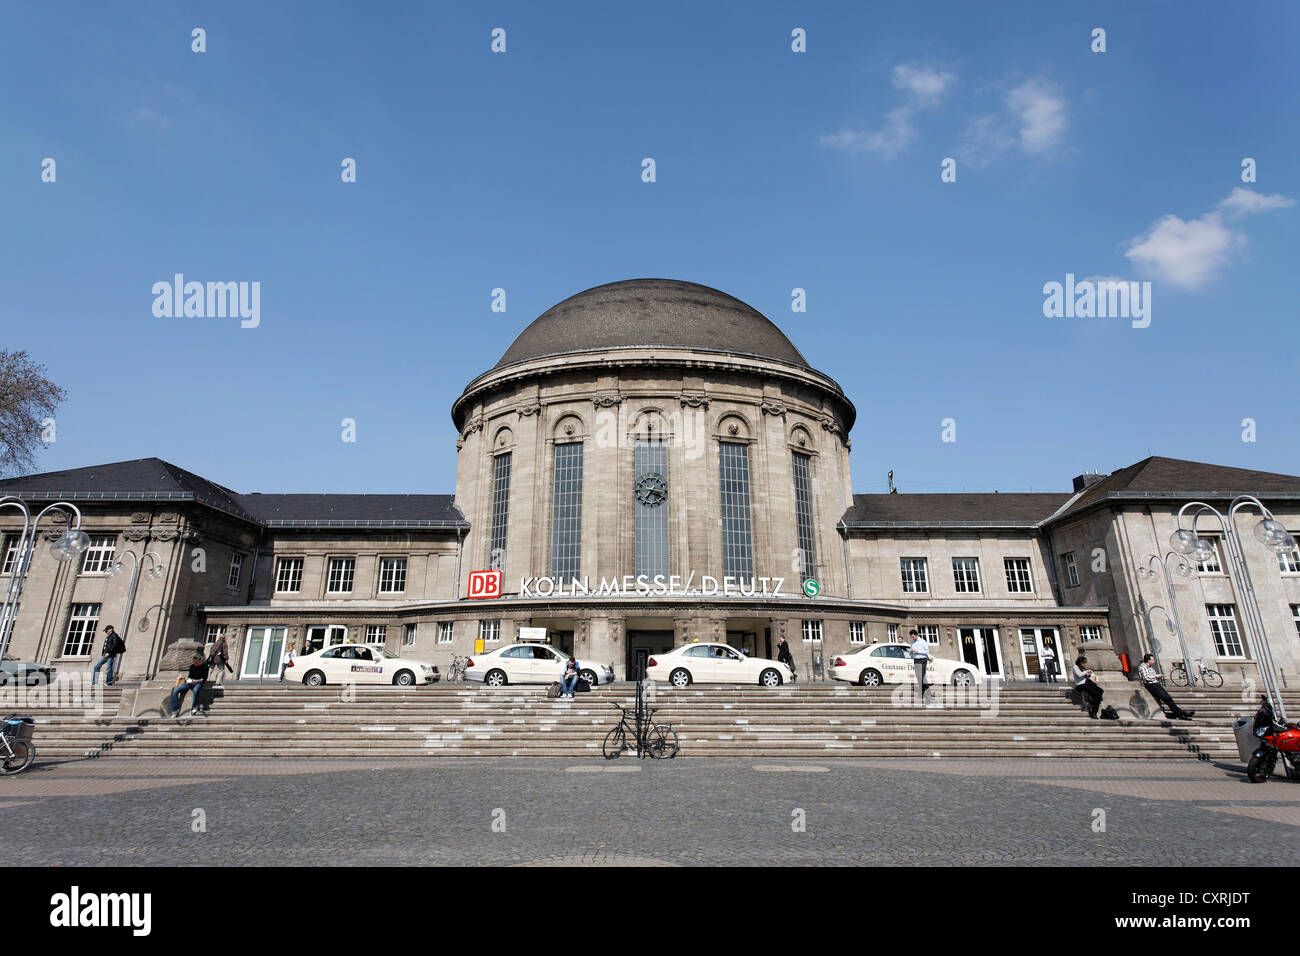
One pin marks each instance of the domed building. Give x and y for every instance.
(652, 462)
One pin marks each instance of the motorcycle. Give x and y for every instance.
(1275, 738)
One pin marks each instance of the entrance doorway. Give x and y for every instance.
(262, 649)
(979, 646)
(1032, 642)
(322, 636)
(643, 644)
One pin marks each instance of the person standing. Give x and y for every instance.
(920, 654)
(1047, 665)
(220, 656)
(114, 646)
(783, 656)
(1083, 683)
(1151, 681)
(287, 662)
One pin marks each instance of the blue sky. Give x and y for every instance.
(775, 170)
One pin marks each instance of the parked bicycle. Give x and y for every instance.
(1206, 675)
(657, 740)
(16, 748)
(457, 669)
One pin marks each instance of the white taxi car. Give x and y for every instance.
(890, 663)
(708, 663)
(361, 664)
(530, 662)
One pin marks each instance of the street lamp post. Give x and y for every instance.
(155, 571)
(73, 542)
(1271, 533)
(1185, 568)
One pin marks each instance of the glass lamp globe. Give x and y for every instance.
(1183, 569)
(115, 569)
(1204, 550)
(1183, 541)
(1273, 535)
(70, 545)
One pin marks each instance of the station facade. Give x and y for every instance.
(653, 462)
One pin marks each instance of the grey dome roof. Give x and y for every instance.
(652, 313)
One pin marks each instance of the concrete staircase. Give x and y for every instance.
(71, 727)
(818, 721)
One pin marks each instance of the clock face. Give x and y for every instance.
(651, 489)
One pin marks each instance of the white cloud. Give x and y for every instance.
(922, 89)
(986, 138)
(1243, 201)
(1189, 254)
(1039, 108)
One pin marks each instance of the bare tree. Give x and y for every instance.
(27, 402)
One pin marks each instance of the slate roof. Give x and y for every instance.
(152, 479)
(648, 313)
(952, 509)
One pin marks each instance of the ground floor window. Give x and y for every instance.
(321, 636)
(857, 632)
(81, 630)
(812, 630)
(376, 633)
(1223, 625)
(893, 632)
(930, 632)
(408, 635)
(489, 631)
(1088, 633)
(444, 632)
(1295, 613)
(215, 632)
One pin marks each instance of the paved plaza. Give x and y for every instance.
(122, 810)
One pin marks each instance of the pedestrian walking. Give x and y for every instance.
(113, 648)
(920, 654)
(1084, 684)
(1047, 665)
(783, 656)
(1151, 681)
(219, 657)
(287, 662)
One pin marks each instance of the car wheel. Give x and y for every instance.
(314, 679)
(404, 679)
(496, 678)
(962, 678)
(680, 677)
(4, 678)
(869, 678)
(769, 678)
(589, 676)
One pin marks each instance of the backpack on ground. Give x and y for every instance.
(553, 691)
(1109, 713)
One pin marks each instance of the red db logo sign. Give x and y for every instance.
(485, 584)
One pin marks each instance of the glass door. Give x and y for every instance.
(1032, 642)
(979, 646)
(262, 649)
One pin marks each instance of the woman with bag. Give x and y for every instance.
(287, 662)
(220, 657)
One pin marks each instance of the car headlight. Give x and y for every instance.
(426, 668)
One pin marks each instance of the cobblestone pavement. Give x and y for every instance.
(123, 810)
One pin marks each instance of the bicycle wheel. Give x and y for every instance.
(24, 752)
(1178, 676)
(661, 743)
(614, 744)
(1211, 678)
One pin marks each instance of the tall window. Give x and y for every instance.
(1295, 613)
(737, 531)
(1223, 625)
(566, 512)
(500, 511)
(444, 632)
(236, 567)
(340, 576)
(1288, 562)
(966, 575)
(392, 575)
(803, 514)
(1019, 580)
(650, 520)
(99, 556)
(812, 630)
(11, 553)
(1212, 564)
(915, 578)
(408, 635)
(857, 632)
(81, 630)
(288, 575)
(1071, 572)
(489, 631)
(376, 633)
(893, 632)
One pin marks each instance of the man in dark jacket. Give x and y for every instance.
(783, 656)
(113, 646)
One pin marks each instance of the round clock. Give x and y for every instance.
(651, 489)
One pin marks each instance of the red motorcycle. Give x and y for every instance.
(1275, 738)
